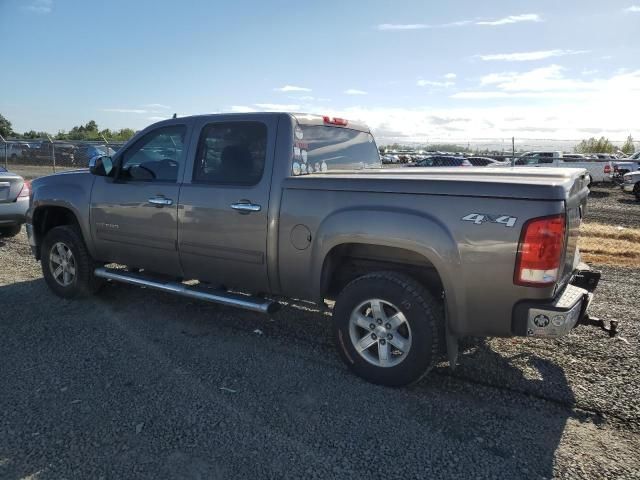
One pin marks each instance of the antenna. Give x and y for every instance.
(175, 115)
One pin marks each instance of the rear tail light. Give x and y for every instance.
(26, 189)
(540, 251)
(335, 121)
(607, 168)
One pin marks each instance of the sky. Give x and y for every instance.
(412, 70)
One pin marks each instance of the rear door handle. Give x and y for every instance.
(160, 201)
(246, 207)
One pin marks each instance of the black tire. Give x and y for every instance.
(84, 283)
(636, 191)
(424, 316)
(11, 231)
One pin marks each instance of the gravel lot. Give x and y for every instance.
(611, 206)
(139, 384)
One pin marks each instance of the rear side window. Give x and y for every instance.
(320, 148)
(231, 153)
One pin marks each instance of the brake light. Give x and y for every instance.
(540, 251)
(607, 168)
(335, 121)
(26, 189)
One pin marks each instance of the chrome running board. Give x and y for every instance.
(254, 304)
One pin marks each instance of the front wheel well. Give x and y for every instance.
(48, 217)
(347, 262)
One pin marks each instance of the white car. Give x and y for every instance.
(631, 183)
(598, 170)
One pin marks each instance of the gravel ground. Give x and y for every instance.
(140, 384)
(611, 206)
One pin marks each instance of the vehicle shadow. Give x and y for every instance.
(599, 194)
(628, 201)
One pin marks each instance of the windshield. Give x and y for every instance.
(320, 148)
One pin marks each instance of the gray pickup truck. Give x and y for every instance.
(278, 204)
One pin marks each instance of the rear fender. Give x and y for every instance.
(400, 228)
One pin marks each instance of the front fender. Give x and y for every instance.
(400, 228)
(73, 196)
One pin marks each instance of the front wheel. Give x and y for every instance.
(386, 327)
(66, 263)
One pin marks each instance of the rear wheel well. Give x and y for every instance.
(349, 261)
(46, 218)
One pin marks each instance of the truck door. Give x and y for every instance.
(223, 212)
(134, 217)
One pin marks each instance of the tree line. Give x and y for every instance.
(88, 131)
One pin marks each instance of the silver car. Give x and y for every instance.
(14, 202)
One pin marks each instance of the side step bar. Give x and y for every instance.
(254, 304)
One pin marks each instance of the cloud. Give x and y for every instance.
(633, 9)
(433, 83)
(242, 109)
(292, 88)
(552, 82)
(41, 7)
(124, 110)
(278, 107)
(528, 56)
(450, 76)
(156, 118)
(157, 105)
(353, 91)
(527, 17)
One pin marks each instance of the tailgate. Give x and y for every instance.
(10, 186)
(576, 209)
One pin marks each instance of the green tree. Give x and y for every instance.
(628, 146)
(595, 145)
(5, 127)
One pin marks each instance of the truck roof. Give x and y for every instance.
(301, 118)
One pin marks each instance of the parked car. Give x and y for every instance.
(486, 162)
(621, 167)
(599, 171)
(14, 150)
(14, 202)
(84, 153)
(270, 204)
(441, 161)
(43, 154)
(631, 183)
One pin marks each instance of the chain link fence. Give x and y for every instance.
(37, 157)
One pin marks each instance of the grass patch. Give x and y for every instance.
(610, 245)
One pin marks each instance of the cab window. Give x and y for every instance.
(231, 153)
(156, 156)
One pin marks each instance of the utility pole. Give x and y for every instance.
(4, 142)
(513, 151)
(53, 153)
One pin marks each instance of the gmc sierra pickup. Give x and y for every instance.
(278, 204)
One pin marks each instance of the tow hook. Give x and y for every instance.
(612, 330)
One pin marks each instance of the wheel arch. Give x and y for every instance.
(45, 217)
(389, 239)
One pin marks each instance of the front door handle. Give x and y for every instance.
(246, 207)
(160, 201)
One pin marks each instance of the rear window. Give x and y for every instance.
(319, 148)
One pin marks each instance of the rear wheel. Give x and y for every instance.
(66, 263)
(386, 328)
(11, 231)
(636, 191)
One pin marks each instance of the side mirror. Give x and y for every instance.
(101, 166)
